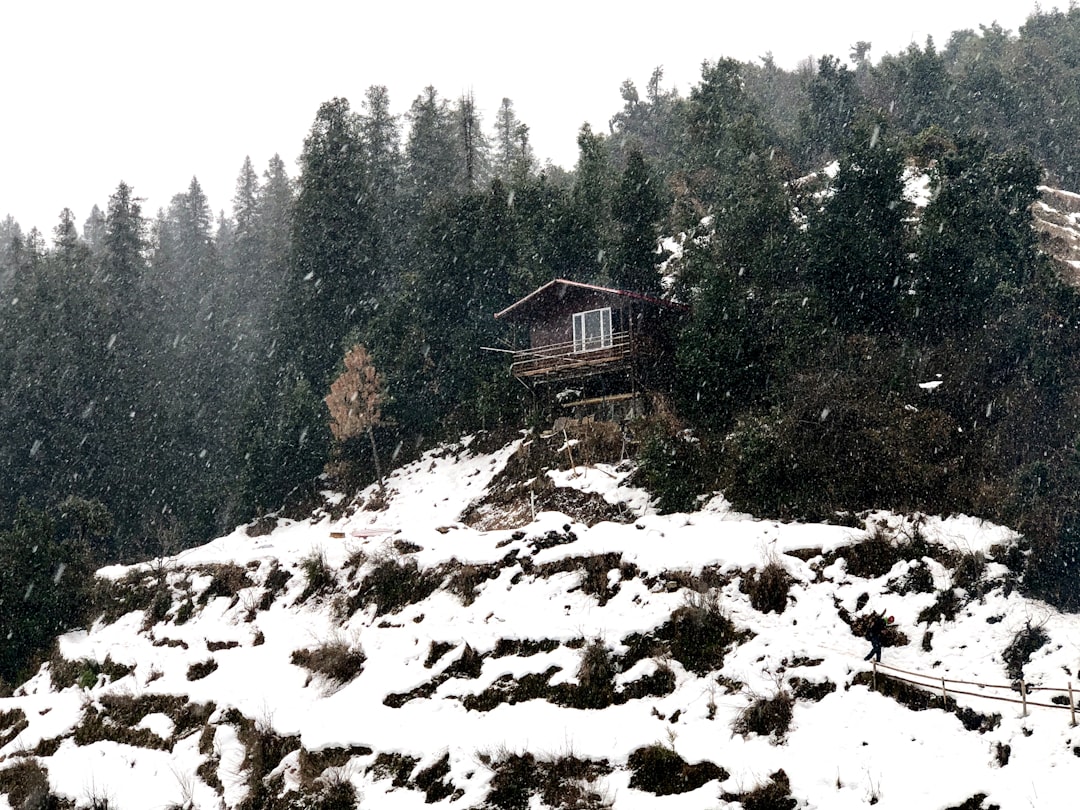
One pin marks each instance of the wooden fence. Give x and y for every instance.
(937, 682)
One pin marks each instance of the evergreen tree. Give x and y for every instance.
(976, 238)
(858, 241)
(590, 201)
(638, 209)
(332, 288)
(433, 168)
(513, 158)
(43, 585)
(835, 104)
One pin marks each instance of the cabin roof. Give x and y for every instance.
(557, 288)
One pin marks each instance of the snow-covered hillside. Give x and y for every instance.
(521, 661)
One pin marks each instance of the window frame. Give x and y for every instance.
(592, 337)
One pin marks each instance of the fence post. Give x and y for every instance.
(1023, 696)
(874, 663)
(944, 694)
(1072, 706)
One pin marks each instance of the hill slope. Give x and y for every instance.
(403, 656)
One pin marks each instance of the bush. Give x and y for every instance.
(766, 716)
(768, 588)
(596, 678)
(336, 660)
(85, 672)
(318, 574)
(393, 585)
(561, 782)
(969, 570)
(1019, 651)
(773, 795)
(699, 634)
(944, 608)
(874, 556)
(918, 579)
(226, 579)
(201, 669)
(26, 785)
(675, 472)
(465, 580)
(658, 769)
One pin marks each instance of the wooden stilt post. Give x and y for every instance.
(874, 663)
(570, 455)
(1072, 706)
(1023, 695)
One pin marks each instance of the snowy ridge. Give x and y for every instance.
(511, 603)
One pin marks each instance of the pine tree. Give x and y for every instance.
(333, 285)
(513, 158)
(859, 242)
(432, 168)
(638, 209)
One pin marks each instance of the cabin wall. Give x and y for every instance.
(554, 323)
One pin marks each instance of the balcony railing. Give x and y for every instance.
(561, 359)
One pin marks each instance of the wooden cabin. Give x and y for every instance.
(577, 332)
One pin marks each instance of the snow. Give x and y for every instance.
(852, 746)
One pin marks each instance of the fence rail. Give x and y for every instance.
(940, 682)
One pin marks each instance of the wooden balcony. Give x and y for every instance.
(560, 360)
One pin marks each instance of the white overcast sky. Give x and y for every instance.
(153, 92)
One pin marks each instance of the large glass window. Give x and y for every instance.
(592, 330)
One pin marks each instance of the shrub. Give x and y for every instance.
(225, 580)
(159, 607)
(874, 556)
(201, 669)
(944, 608)
(773, 795)
(275, 582)
(675, 472)
(768, 588)
(699, 634)
(26, 785)
(562, 782)
(813, 691)
(596, 674)
(766, 716)
(466, 579)
(263, 752)
(12, 724)
(969, 570)
(336, 660)
(659, 770)
(393, 585)
(918, 579)
(85, 672)
(1019, 651)
(318, 575)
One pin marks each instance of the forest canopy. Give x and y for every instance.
(169, 369)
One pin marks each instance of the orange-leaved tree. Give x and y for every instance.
(355, 401)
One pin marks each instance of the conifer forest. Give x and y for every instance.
(164, 375)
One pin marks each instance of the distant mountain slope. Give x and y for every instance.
(396, 656)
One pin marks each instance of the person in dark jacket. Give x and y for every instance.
(874, 632)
